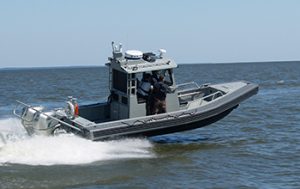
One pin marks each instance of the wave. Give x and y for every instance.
(18, 148)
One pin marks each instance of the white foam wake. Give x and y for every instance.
(16, 147)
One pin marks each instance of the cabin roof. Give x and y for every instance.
(137, 66)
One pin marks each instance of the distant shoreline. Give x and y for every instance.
(96, 66)
(49, 67)
(264, 62)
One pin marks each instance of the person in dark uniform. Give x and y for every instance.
(159, 96)
(144, 91)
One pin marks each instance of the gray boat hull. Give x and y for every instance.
(205, 113)
(193, 119)
(47, 123)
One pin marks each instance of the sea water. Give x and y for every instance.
(256, 146)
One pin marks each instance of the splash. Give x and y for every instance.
(17, 148)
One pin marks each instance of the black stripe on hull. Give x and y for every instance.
(183, 127)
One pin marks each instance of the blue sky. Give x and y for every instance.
(78, 33)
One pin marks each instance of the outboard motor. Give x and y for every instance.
(37, 122)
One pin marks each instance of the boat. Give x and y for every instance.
(187, 105)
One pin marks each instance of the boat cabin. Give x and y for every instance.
(126, 71)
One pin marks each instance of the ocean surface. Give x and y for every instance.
(256, 146)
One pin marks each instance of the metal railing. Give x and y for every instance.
(195, 87)
(189, 94)
(213, 96)
(188, 83)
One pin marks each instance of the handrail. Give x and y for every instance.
(188, 83)
(54, 118)
(19, 116)
(189, 94)
(190, 88)
(213, 95)
(161, 118)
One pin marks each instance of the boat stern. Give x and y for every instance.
(35, 121)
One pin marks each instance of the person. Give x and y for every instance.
(154, 77)
(159, 96)
(144, 91)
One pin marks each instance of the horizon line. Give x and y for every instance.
(184, 63)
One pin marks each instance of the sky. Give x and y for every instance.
(45, 33)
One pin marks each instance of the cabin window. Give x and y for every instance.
(133, 83)
(168, 79)
(120, 81)
(133, 91)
